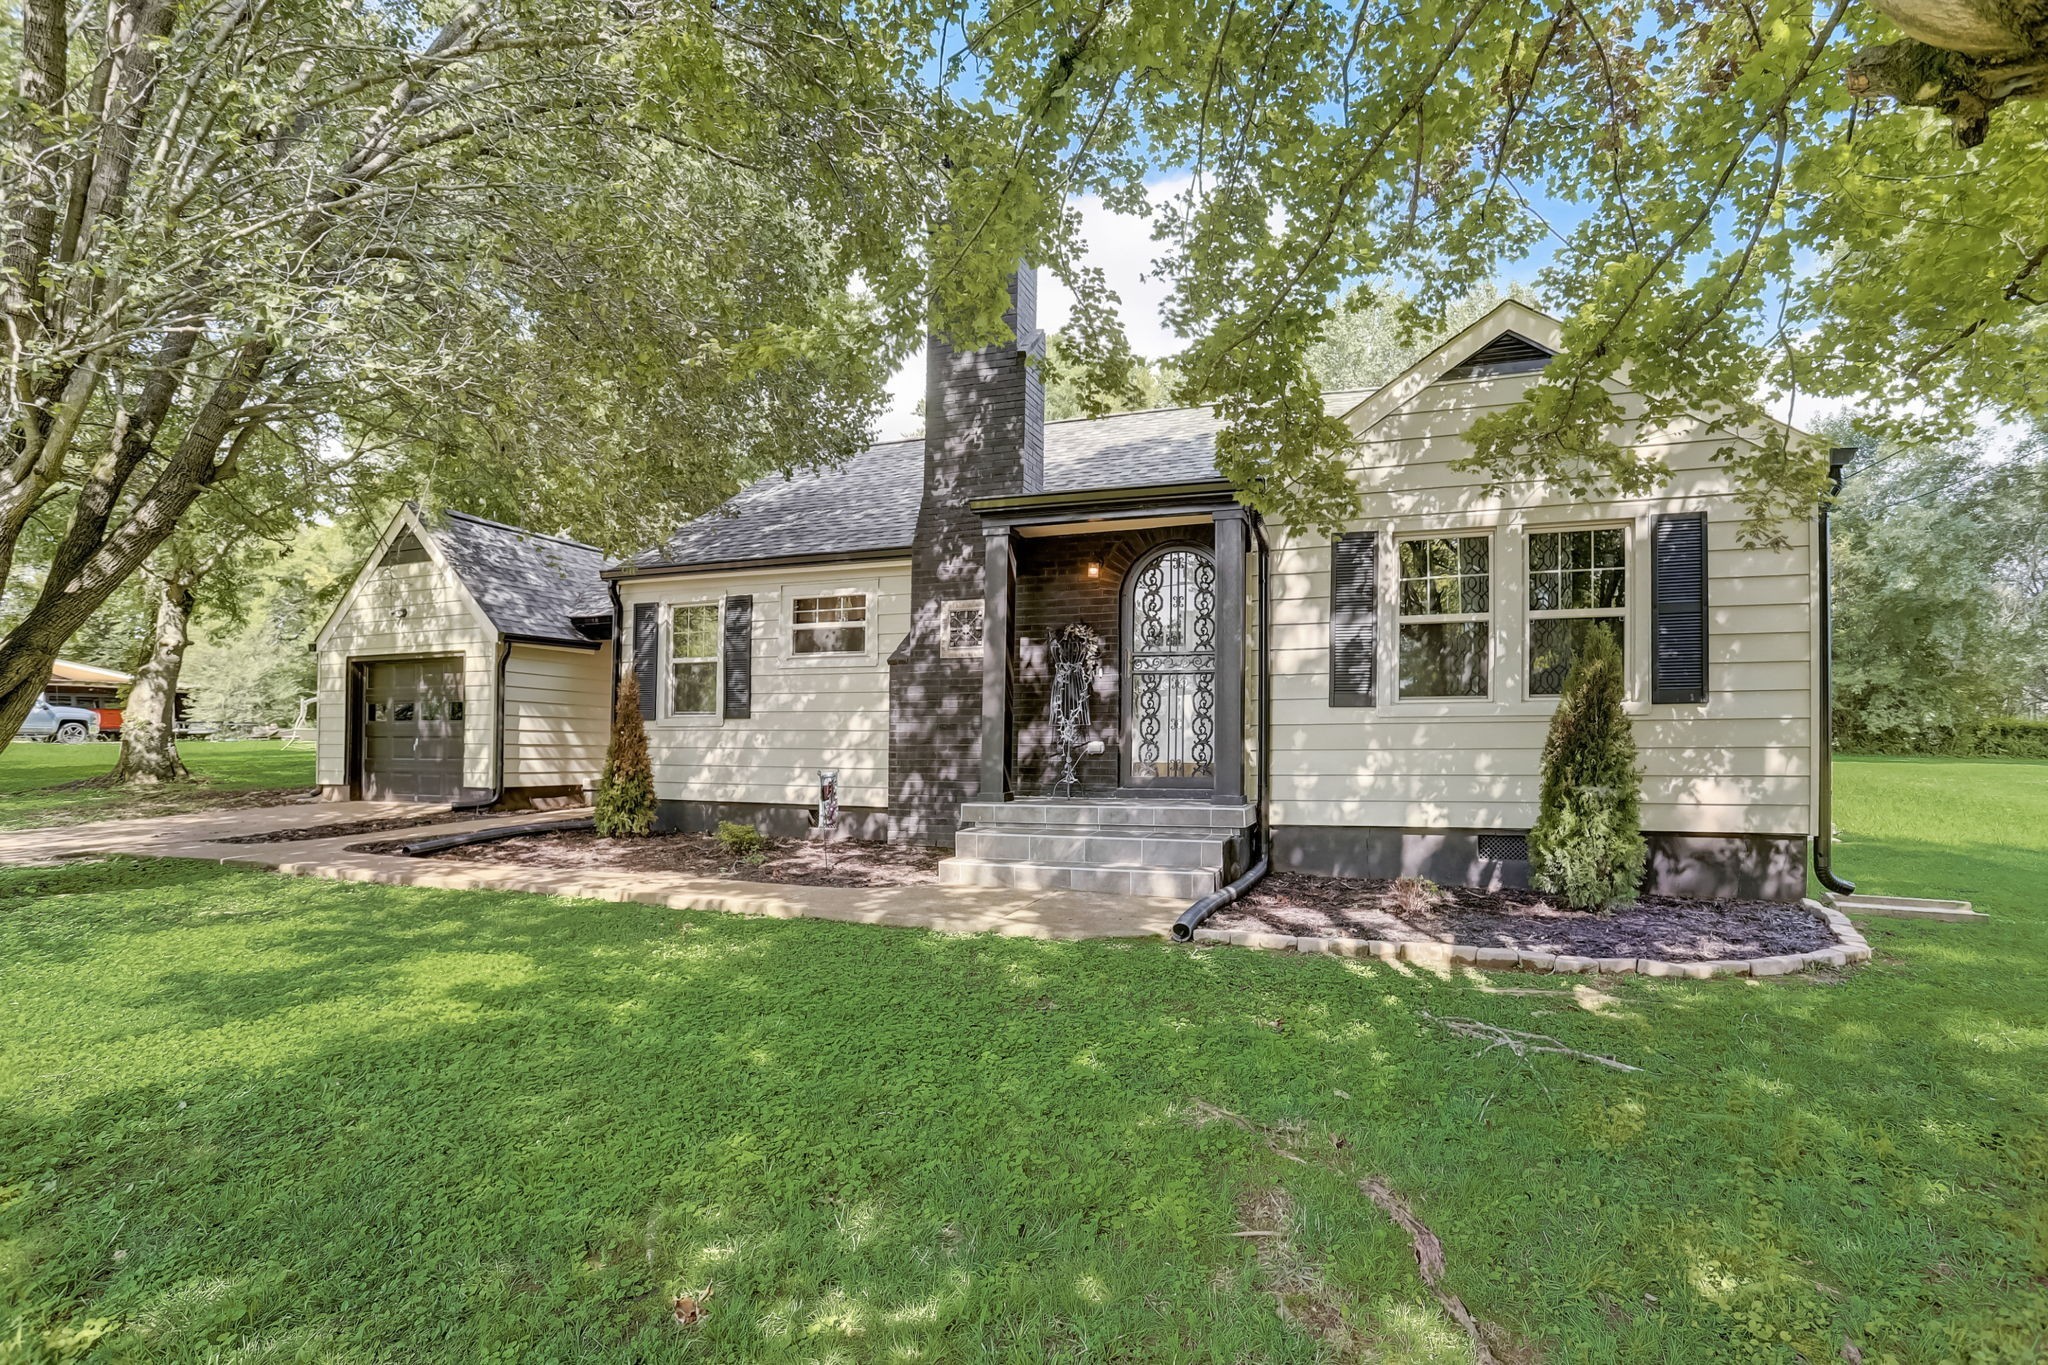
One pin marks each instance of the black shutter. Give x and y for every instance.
(647, 654)
(1678, 608)
(1354, 618)
(739, 658)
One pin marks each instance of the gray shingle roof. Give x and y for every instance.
(529, 585)
(869, 504)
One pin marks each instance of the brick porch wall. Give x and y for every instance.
(1054, 591)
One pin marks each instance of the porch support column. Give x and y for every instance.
(1233, 543)
(998, 581)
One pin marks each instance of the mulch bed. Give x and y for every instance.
(796, 862)
(341, 827)
(1672, 928)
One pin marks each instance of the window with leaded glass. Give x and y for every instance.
(693, 659)
(829, 625)
(1578, 583)
(1446, 619)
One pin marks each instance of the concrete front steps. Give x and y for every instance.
(1181, 849)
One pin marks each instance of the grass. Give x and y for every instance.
(252, 1118)
(39, 782)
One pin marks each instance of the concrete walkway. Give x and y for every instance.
(947, 909)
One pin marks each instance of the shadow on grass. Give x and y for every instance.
(373, 1123)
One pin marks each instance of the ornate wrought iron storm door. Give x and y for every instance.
(1170, 670)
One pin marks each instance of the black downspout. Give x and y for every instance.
(498, 706)
(618, 643)
(1262, 837)
(1824, 835)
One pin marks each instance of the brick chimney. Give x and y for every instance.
(984, 438)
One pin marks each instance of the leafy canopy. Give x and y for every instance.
(1726, 228)
(1941, 591)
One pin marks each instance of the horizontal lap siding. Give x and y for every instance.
(1742, 763)
(557, 715)
(437, 620)
(808, 714)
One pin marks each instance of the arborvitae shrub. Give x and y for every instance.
(1587, 844)
(625, 792)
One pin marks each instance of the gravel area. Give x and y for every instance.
(796, 862)
(1668, 927)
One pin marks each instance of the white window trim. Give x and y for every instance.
(1491, 616)
(667, 711)
(946, 610)
(1626, 614)
(871, 600)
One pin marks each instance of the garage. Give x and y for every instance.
(412, 721)
(467, 662)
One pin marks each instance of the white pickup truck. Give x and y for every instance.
(60, 724)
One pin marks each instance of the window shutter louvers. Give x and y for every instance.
(739, 658)
(647, 654)
(1354, 618)
(1678, 608)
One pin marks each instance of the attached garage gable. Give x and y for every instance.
(411, 662)
(407, 667)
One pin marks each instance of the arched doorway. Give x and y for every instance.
(1169, 653)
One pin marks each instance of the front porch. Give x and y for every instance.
(1126, 845)
(1114, 741)
(1160, 584)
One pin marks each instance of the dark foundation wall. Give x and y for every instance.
(1733, 866)
(1053, 592)
(777, 822)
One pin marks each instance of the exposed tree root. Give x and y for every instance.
(1205, 1112)
(1519, 1042)
(1429, 1256)
(1299, 1292)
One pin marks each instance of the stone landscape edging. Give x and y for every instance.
(1851, 949)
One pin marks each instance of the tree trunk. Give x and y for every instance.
(149, 735)
(1963, 57)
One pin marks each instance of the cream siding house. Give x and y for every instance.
(468, 662)
(1729, 776)
(810, 712)
(1066, 650)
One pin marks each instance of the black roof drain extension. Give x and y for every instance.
(498, 767)
(1262, 837)
(1824, 822)
(441, 843)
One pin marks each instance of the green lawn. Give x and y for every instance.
(251, 1118)
(39, 783)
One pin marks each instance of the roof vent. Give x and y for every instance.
(1508, 353)
(406, 549)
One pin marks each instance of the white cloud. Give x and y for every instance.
(1121, 246)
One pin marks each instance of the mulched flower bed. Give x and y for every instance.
(341, 827)
(1672, 928)
(797, 862)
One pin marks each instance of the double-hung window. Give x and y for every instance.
(1446, 619)
(837, 624)
(693, 659)
(1578, 583)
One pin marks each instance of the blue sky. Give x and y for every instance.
(1123, 247)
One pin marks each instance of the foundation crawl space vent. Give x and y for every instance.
(1504, 848)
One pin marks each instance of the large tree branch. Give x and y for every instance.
(1966, 88)
(39, 90)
